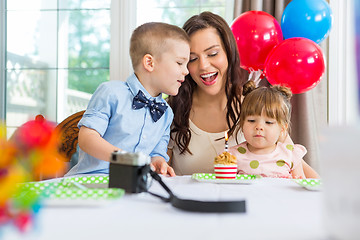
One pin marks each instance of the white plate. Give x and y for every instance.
(310, 184)
(210, 178)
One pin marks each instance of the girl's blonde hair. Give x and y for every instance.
(273, 101)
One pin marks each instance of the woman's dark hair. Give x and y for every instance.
(235, 78)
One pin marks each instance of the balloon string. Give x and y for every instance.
(257, 76)
(251, 75)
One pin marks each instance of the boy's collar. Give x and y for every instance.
(135, 85)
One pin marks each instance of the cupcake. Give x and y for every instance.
(225, 166)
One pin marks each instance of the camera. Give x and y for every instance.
(129, 171)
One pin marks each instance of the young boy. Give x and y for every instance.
(131, 115)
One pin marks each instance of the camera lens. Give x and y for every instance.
(114, 156)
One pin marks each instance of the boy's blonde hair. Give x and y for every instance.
(273, 101)
(151, 38)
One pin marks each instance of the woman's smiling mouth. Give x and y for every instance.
(209, 78)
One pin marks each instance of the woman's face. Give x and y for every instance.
(208, 61)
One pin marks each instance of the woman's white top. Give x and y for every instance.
(204, 147)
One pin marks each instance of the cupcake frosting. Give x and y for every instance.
(225, 158)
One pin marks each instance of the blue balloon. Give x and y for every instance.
(310, 19)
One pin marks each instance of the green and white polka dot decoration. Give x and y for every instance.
(310, 184)
(66, 190)
(211, 176)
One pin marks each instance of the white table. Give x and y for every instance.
(276, 209)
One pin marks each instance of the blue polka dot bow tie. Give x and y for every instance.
(156, 109)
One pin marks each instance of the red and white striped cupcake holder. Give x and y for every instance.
(225, 171)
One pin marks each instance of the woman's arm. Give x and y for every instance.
(298, 172)
(308, 171)
(93, 144)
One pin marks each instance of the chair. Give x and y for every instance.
(69, 135)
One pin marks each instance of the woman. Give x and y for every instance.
(209, 101)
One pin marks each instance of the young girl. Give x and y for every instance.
(263, 124)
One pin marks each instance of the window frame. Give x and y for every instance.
(2, 60)
(59, 99)
(342, 93)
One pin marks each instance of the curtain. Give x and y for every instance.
(309, 108)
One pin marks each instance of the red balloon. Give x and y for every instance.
(256, 34)
(297, 63)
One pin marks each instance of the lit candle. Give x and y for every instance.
(226, 141)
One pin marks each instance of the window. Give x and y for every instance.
(128, 14)
(342, 92)
(178, 11)
(57, 53)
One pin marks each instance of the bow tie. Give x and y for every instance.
(156, 109)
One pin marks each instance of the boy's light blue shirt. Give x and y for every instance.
(110, 113)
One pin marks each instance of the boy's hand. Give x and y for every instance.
(161, 166)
